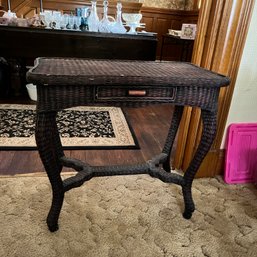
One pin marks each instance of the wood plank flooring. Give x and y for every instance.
(150, 125)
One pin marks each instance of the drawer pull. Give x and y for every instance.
(137, 92)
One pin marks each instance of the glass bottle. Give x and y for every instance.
(118, 27)
(93, 20)
(104, 24)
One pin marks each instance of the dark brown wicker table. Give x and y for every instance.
(63, 83)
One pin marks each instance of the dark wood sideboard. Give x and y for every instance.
(29, 43)
(20, 46)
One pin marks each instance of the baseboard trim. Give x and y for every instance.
(213, 164)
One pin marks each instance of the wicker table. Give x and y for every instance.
(63, 83)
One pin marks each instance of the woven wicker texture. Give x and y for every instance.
(64, 83)
(69, 71)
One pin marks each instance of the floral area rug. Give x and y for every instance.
(80, 128)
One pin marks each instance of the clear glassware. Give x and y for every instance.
(133, 27)
(93, 19)
(48, 18)
(118, 26)
(65, 20)
(133, 21)
(42, 18)
(71, 21)
(57, 19)
(77, 22)
(104, 24)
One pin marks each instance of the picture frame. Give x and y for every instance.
(188, 31)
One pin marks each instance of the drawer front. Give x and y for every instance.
(141, 93)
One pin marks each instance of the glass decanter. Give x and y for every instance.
(104, 24)
(118, 27)
(93, 20)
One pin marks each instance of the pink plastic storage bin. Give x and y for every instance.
(241, 154)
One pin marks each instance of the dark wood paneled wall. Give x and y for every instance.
(27, 8)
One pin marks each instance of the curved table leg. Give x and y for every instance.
(49, 147)
(208, 135)
(171, 135)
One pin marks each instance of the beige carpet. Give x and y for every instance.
(129, 216)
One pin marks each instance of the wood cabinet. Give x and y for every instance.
(160, 20)
(174, 48)
(30, 43)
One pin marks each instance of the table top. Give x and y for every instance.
(73, 71)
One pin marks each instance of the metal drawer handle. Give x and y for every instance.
(136, 92)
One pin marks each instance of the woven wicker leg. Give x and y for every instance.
(171, 135)
(208, 135)
(49, 147)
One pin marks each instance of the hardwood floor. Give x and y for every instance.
(150, 125)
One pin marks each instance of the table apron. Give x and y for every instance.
(58, 97)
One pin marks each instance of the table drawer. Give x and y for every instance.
(140, 93)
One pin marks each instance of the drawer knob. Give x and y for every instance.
(136, 92)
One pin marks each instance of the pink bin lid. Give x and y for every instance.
(241, 153)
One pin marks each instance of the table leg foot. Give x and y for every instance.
(189, 203)
(187, 214)
(52, 227)
(54, 213)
